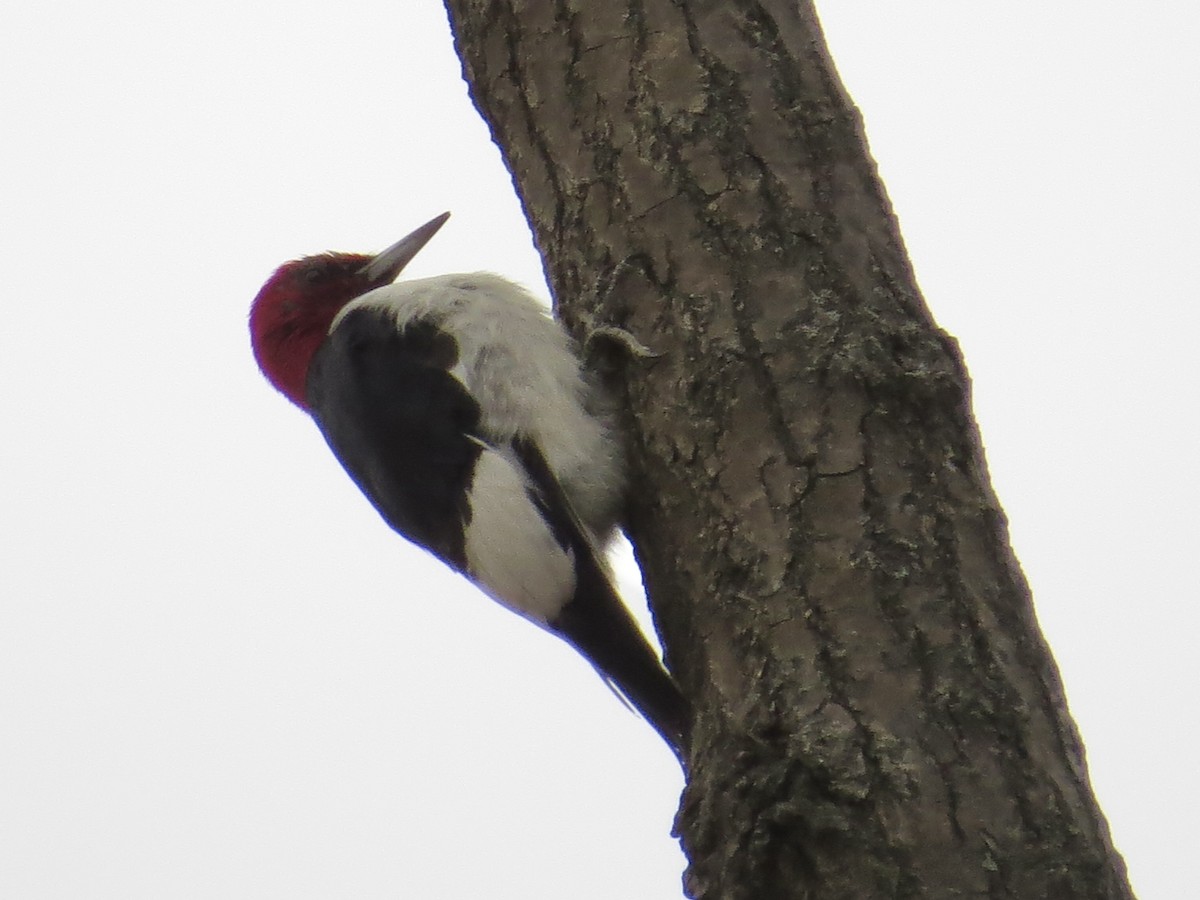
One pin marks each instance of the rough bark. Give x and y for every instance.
(878, 714)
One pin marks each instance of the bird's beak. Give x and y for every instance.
(384, 268)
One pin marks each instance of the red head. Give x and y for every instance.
(292, 313)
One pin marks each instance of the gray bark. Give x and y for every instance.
(877, 712)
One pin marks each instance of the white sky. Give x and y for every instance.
(222, 676)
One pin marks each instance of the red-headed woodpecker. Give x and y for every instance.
(457, 406)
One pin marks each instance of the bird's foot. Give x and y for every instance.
(621, 337)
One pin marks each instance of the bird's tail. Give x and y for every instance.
(597, 623)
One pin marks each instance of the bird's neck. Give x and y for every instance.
(284, 355)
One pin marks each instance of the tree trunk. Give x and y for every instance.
(877, 712)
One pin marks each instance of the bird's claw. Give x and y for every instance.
(621, 336)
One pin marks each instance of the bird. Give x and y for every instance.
(461, 410)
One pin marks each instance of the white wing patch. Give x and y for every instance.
(511, 551)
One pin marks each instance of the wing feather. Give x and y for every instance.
(401, 425)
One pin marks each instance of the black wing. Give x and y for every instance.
(400, 424)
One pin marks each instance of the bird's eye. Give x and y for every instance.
(313, 274)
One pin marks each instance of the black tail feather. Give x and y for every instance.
(598, 624)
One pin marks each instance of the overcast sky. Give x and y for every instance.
(222, 676)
